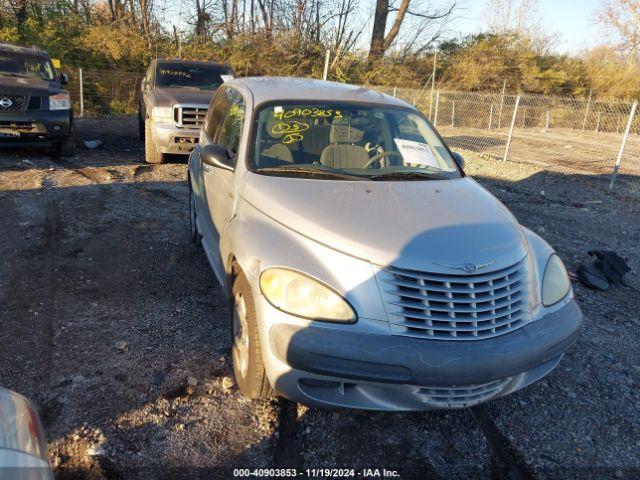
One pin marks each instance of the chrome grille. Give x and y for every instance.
(456, 307)
(463, 396)
(11, 103)
(189, 116)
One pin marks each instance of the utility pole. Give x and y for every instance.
(433, 80)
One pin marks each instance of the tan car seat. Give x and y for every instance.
(278, 150)
(342, 153)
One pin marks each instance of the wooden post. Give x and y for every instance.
(548, 120)
(504, 86)
(433, 80)
(81, 92)
(453, 113)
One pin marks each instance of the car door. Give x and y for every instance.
(219, 185)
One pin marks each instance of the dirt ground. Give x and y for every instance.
(569, 149)
(113, 324)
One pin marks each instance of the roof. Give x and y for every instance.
(22, 50)
(266, 89)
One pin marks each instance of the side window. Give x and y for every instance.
(231, 129)
(215, 114)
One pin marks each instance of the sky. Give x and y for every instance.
(570, 20)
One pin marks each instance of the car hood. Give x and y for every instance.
(27, 86)
(167, 97)
(432, 225)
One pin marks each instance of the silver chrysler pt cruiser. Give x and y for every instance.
(365, 269)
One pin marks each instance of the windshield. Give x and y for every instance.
(203, 77)
(344, 140)
(21, 65)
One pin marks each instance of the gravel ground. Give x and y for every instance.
(113, 324)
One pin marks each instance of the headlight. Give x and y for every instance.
(60, 101)
(299, 295)
(162, 114)
(555, 283)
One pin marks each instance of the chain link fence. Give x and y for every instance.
(587, 136)
(598, 138)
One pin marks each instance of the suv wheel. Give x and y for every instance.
(248, 367)
(66, 147)
(151, 153)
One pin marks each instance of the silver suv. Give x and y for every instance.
(174, 95)
(366, 269)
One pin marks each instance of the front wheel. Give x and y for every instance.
(66, 147)
(248, 366)
(151, 153)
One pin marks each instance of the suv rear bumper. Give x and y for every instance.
(39, 127)
(174, 140)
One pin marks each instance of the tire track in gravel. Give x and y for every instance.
(91, 174)
(506, 461)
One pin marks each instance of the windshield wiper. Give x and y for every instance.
(407, 175)
(307, 172)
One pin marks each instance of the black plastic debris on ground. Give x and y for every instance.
(608, 269)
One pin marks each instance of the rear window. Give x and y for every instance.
(197, 76)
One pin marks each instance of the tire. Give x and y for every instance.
(151, 153)
(246, 351)
(141, 127)
(193, 214)
(66, 147)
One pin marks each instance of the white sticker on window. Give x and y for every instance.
(416, 153)
(226, 78)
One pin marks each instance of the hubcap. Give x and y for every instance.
(240, 336)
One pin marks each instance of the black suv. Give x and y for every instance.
(34, 108)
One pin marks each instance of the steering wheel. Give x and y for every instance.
(380, 156)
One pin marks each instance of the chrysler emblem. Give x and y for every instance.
(468, 267)
(5, 102)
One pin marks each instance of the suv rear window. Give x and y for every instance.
(203, 77)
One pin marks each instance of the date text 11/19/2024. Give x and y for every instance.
(316, 473)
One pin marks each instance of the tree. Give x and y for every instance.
(381, 40)
(621, 20)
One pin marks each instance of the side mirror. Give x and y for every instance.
(216, 156)
(459, 160)
(64, 79)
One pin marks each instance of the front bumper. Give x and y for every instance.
(174, 140)
(338, 368)
(34, 128)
